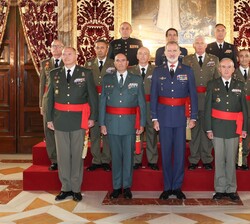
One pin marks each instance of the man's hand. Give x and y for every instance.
(139, 131)
(210, 135)
(104, 130)
(191, 124)
(91, 123)
(156, 125)
(50, 125)
(244, 134)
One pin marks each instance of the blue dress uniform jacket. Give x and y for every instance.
(182, 85)
(160, 57)
(129, 47)
(80, 90)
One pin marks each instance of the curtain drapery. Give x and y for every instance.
(4, 11)
(39, 21)
(95, 20)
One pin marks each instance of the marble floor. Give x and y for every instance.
(33, 207)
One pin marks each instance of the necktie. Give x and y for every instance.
(143, 73)
(68, 75)
(121, 81)
(101, 65)
(172, 70)
(245, 74)
(200, 61)
(220, 46)
(227, 87)
(57, 63)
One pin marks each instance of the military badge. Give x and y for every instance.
(110, 70)
(149, 77)
(228, 51)
(79, 81)
(211, 63)
(217, 89)
(132, 85)
(133, 46)
(236, 90)
(182, 77)
(217, 100)
(162, 78)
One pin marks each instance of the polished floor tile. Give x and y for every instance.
(40, 207)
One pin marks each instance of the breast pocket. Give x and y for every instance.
(133, 91)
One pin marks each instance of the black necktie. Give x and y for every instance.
(172, 71)
(143, 73)
(200, 61)
(101, 65)
(121, 81)
(245, 74)
(220, 46)
(68, 75)
(56, 64)
(227, 87)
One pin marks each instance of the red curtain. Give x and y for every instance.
(4, 11)
(39, 21)
(95, 20)
(242, 23)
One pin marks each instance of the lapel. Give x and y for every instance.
(206, 60)
(127, 81)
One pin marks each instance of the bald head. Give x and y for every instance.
(143, 56)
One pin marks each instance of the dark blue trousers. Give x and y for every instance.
(173, 146)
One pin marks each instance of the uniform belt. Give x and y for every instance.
(126, 111)
(176, 102)
(201, 89)
(147, 97)
(248, 97)
(84, 108)
(99, 89)
(231, 116)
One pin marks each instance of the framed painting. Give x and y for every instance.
(151, 18)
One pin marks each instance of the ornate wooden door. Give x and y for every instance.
(20, 120)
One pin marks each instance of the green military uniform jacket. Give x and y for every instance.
(238, 75)
(207, 72)
(45, 67)
(93, 65)
(80, 90)
(232, 101)
(130, 95)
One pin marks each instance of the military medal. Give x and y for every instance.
(217, 100)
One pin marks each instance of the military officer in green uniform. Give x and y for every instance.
(125, 45)
(122, 100)
(46, 66)
(242, 73)
(145, 70)
(72, 108)
(100, 66)
(225, 121)
(205, 67)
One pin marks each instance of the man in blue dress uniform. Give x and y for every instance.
(172, 85)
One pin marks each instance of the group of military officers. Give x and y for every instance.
(133, 94)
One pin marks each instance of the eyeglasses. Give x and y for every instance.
(56, 46)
